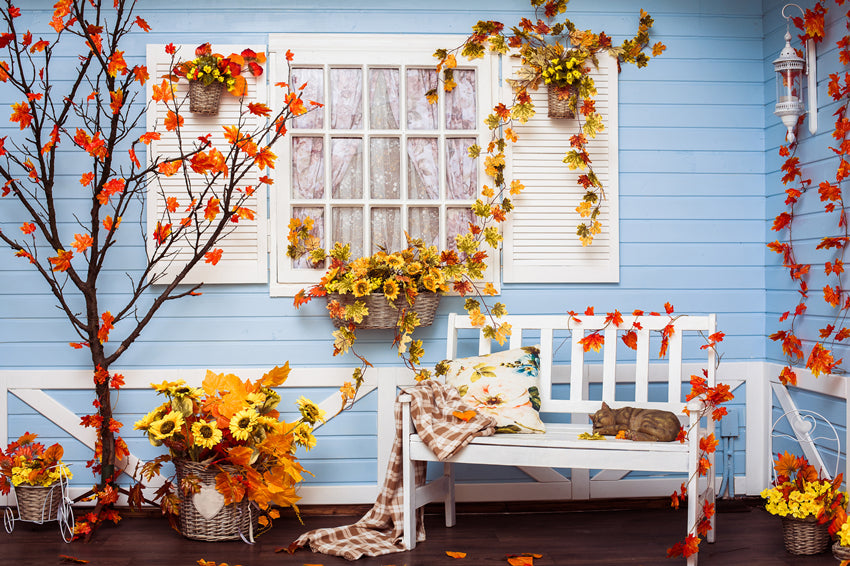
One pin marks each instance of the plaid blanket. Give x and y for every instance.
(380, 530)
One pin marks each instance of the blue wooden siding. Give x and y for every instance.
(699, 186)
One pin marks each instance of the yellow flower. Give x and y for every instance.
(414, 268)
(304, 436)
(167, 426)
(206, 434)
(242, 424)
(147, 420)
(430, 282)
(168, 386)
(361, 287)
(207, 69)
(395, 261)
(391, 289)
(310, 411)
(255, 399)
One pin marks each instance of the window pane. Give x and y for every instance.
(421, 115)
(346, 168)
(308, 168)
(457, 222)
(461, 170)
(318, 231)
(347, 228)
(386, 229)
(424, 223)
(384, 168)
(423, 168)
(346, 99)
(460, 102)
(314, 90)
(383, 99)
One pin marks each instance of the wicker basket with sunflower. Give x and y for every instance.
(230, 429)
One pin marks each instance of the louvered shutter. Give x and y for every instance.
(245, 248)
(541, 245)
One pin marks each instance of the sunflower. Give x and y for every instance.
(242, 424)
(414, 268)
(391, 289)
(310, 412)
(147, 420)
(168, 386)
(430, 283)
(395, 261)
(361, 287)
(206, 434)
(256, 400)
(303, 434)
(167, 426)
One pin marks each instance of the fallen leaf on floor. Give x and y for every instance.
(524, 559)
(456, 554)
(65, 559)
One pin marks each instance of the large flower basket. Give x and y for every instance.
(204, 516)
(37, 503)
(205, 99)
(805, 536)
(383, 314)
(559, 107)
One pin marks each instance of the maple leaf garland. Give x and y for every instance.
(820, 358)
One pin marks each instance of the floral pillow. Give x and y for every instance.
(504, 385)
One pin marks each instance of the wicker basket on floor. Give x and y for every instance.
(232, 522)
(559, 107)
(38, 503)
(840, 552)
(805, 536)
(205, 99)
(382, 314)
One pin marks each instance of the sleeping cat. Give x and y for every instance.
(639, 424)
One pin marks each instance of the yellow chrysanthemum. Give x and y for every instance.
(310, 411)
(391, 289)
(242, 424)
(206, 434)
(166, 426)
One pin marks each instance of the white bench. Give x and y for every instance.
(560, 446)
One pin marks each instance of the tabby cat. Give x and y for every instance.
(639, 424)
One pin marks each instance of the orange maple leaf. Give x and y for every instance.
(173, 121)
(213, 256)
(62, 261)
(614, 317)
(161, 232)
(106, 326)
(454, 554)
(21, 114)
(116, 64)
(82, 242)
(212, 209)
(465, 415)
(630, 339)
(148, 137)
(265, 158)
(708, 444)
(592, 341)
(821, 361)
(169, 168)
(259, 109)
(117, 100)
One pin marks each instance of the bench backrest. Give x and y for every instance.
(555, 331)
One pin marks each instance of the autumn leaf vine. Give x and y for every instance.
(818, 357)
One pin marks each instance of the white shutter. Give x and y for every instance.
(245, 248)
(541, 245)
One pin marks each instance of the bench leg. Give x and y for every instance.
(409, 504)
(449, 501)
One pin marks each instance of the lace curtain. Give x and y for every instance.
(387, 158)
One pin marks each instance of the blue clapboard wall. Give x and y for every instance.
(699, 185)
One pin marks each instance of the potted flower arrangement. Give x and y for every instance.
(234, 457)
(37, 474)
(807, 503)
(211, 73)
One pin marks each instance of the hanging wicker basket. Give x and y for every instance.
(199, 522)
(840, 552)
(560, 107)
(37, 503)
(805, 536)
(383, 314)
(205, 99)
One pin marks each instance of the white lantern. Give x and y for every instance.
(789, 68)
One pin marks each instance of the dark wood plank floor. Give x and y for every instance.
(635, 535)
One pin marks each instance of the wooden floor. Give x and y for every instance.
(638, 535)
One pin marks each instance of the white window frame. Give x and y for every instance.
(374, 50)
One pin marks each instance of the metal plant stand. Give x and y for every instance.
(36, 504)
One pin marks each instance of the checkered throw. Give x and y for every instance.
(380, 530)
